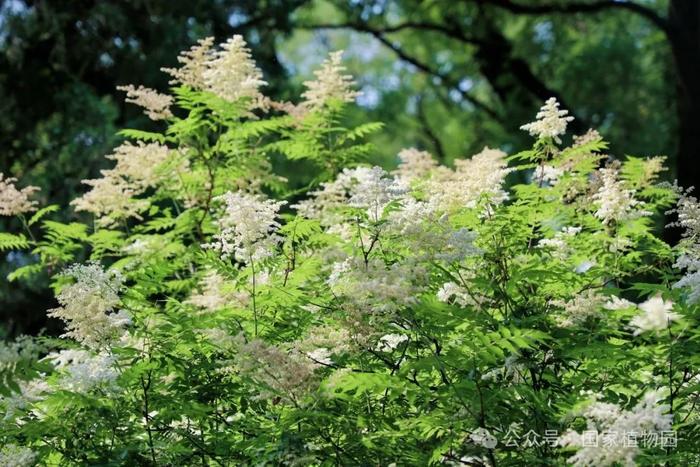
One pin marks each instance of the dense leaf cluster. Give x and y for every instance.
(417, 318)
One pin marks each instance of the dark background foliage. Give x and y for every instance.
(447, 76)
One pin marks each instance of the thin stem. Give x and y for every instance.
(255, 309)
(145, 386)
(26, 227)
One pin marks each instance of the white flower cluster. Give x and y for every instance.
(656, 316)
(656, 313)
(373, 190)
(29, 393)
(483, 437)
(586, 138)
(324, 203)
(653, 166)
(22, 349)
(617, 303)
(376, 286)
(154, 104)
(414, 164)
(215, 294)
(287, 374)
(390, 342)
(615, 203)
(558, 245)
(322, 356)
(247, 227)
(322, 343)
(336, 340)
(88, 305)
(369, 188)
(428, 233)
(331, 83)
(691, 280)
(193, 63)
(12, 455)
(230, 73)
(138, 164)
(420, 223)
(84, 370)
(452, 291)
(473, 179)
(547, 174)
(414, 218)
(14, 201)
(688, 211)
(112, 197)
(615, 424)
(579, 309)
(551, 121)
(110, 201)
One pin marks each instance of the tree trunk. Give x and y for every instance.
(684, 34)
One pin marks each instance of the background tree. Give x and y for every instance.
(494, 61)
(60, 64)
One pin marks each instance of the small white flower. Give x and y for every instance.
(615, 202)
(84, 370)
(656, 317)
(483, 437)
(551, 121)
(155, 105)
(570, 231)
(688, 211)
(557, 245)
(389, 342)
(414, 164)
(547, 174)
(193, 64)
(247, 227)
(87, 306)
(321, 355)
(648, 416)
(473, 180)
(374, 189)
(14, 201)
(460, 294)
(584, 266)
(231, 72)
(12, 455)
(331, 83)
(579, 308)
(617, 303)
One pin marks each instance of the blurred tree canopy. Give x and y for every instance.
(471, 72)
(446, 76)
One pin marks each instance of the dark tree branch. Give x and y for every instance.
(580, 7)
(441, 76)
(454, 33)
(429, 133)
(512, 78)
(423, 67)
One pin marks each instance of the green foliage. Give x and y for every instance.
(214, 315)
(10, 241)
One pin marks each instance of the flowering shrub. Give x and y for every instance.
(429, 315)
